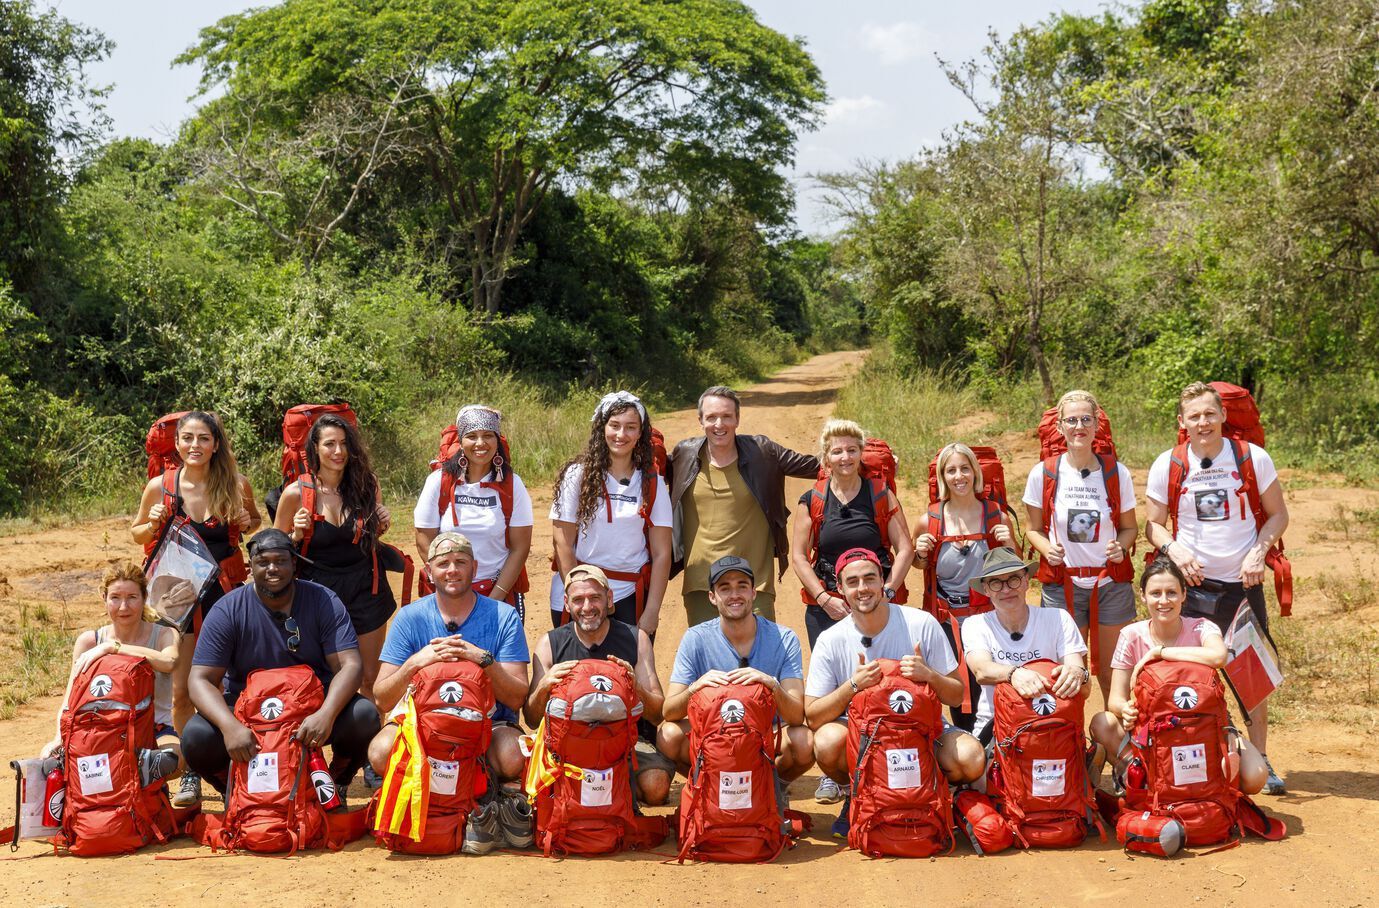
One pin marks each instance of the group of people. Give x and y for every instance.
(623, 524)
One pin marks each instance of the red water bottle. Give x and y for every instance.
(322, 780)
(1135, 775)
(54, 796)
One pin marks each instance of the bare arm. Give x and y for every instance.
(660, 547)
(1276, 512)
(519, 546)
(790, 700)
(422, 537)
(251, 519)
(799, 553)
(150, 516)
(676, 705)
(540, 691)
(564, 535)
(648, 682)
(85, 641)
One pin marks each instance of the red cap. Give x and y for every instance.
(857, 554)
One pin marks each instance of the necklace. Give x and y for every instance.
(1154, 638)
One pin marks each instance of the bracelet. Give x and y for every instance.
(855, 688)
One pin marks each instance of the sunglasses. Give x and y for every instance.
(996, 584)
(294, 632)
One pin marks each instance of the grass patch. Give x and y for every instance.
(37, 660)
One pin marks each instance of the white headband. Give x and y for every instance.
(617, 398)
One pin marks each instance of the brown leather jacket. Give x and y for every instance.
(764, 464)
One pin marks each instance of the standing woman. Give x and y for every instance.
(218, 502)
(477, 494)
(612, 510)
(339, 533)
(853, 513)
(1082, 524)
(951, 544)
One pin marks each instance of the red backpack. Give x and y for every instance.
(271, 803)
(878, 472)
(900, 804)
(1180, 741)
(1038, 774)
(1242, 429)
(728, 808)
(297, 425)
(161, 444)
(436, 769)
(585, 804)
(107, 723)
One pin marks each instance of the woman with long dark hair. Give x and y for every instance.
(335, 515)
(218, 503)
(612, 509)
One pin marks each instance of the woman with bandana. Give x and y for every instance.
(612, 509)
(476, 493)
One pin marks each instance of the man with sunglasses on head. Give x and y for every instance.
(276, 621)
(457, 624)
(998, 643)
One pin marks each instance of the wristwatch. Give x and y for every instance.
(1086, 676)
(890, 594)
(1163, 549)
(486, 659)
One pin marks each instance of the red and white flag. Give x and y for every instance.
(1251, 663)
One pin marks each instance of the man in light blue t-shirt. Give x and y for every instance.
(738, 647)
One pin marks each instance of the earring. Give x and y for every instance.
(464, 463)
(498, 467)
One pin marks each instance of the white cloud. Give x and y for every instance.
(895, 43)
(844, 110)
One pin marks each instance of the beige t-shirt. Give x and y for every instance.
(722, 517)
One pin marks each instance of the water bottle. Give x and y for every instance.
(322, 780)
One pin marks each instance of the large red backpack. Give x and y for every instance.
(878, 471)
(900, 803)
(161, 444)
(107, 722)
(1038, 775)
(1180, 740)
(1242, 429)
(436, 770)
(728, 809)
(502, 484)
(586, 803)
(271, 802)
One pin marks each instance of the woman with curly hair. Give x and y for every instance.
(335, 515)
(612, 509)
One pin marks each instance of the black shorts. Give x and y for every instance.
(1218, 602)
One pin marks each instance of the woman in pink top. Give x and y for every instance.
(1169, 636)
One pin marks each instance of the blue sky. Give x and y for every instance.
(888, 97)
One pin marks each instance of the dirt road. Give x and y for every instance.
(1332, 809)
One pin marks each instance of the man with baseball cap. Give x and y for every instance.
(593, 633)
(738, 647)
(456, 624)
(275, 622)
(999, 642)
(843, 663)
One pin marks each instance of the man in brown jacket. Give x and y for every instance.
(729, 496)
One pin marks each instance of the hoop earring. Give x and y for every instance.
(464, 462)
(498, 467)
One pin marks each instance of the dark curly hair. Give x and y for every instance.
(595, 460)
(359, 486)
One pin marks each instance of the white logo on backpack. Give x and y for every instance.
(444, 775)
(596, 788)
(263, 774)
(1189, 764)
(1050, 778)
(902, 768)
(93, 773)
(101, 685)
(735, 790)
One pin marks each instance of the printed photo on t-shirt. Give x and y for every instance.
(1083, 526)
(1212, 504)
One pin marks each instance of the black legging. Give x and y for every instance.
(203, 746)
(960, 717)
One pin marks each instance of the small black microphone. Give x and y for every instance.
(452, 627)
(1206, 462)
(1085, 472)
(1018, 635)
(866, 641)
(741, 661)
(625, 482)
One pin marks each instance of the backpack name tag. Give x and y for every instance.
(94, 774)
(1189, 764)
(263, 774)
(902, 768)
(735, 790)
(445, 775)
(1050, 778)
(596, 788)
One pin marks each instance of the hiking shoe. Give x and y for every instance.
(1274, 785)
(481, 829)
(515, 819)
(841, 825)
(188, 791)
(828, 792)
(372, 779)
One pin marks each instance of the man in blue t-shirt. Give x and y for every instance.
(275, 622)
(456, 624)
(738, 647)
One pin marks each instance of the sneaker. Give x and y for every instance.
(515, 819)
(828, 792)
(841, 825)
(372, 779)
(1274, 785)
(188, 791)
(481, 829)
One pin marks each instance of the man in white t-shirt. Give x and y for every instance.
(998, 643)
(1217, 544)
(843, 663)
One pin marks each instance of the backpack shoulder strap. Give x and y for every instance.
(818, 497)
(306, 487)
(1177, 476)
(881, 508)
(1050, 490)
(1249, 482)
(446, 497)
(1110, 477)
(991, 518)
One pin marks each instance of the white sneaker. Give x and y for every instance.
(828, 792)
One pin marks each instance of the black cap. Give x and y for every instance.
(269, 540)
(729, 563)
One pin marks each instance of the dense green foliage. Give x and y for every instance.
(408, 204)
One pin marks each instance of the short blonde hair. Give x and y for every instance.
(839, 428)
(1196, 390)
(1078, 397)
(945, 455)
(124, 570)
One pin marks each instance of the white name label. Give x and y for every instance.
(263, 773)
(735, 790)
(902, 768)
(444, 774)
(1189, 764)
(596, 788)
(1050, 778)
(94, 774)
